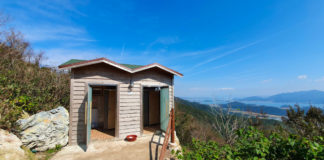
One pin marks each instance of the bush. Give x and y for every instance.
(252, 144)
(308, 125)
(24, 84)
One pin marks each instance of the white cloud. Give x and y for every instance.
(199, 89)
(225, 54)
(57, 56)
(200, 52)
(266, 81)
(302, 77)
(55, 32)
(320, 80)
(226, 89)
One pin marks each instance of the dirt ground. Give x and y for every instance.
(147, 147)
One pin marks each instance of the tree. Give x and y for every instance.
(227, 123)
(307, 125)
(25, 85)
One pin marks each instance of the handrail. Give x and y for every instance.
(167, 136)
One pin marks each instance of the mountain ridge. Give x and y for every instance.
(310, 96)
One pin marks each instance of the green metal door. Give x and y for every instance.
(88, 115)
(164, 108)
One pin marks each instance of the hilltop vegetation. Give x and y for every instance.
(25, 86)
(200, 121)
(300, 136)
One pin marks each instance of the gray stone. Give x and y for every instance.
(45, 130)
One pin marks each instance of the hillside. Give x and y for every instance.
(312, 96)
(195, 120)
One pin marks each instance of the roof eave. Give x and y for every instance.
(158, 66)
(112, 63)
(95, 61)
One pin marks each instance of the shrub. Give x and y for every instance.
(308, 125)
(25, 85)
(252, 144)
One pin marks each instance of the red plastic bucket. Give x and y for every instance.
(131, 138)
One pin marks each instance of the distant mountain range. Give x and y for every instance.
(256, 109)
(312, 97)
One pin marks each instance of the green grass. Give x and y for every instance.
(41, 155)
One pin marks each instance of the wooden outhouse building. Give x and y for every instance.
(117, 99)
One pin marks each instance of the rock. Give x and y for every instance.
(10, 146)
(45, 130)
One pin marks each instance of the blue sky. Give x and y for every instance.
(225, 49)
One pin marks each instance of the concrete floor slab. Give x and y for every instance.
(146, 147)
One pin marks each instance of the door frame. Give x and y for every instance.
(142, 104)
(88, 130)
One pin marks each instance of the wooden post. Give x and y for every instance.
(172, 125)
(166, 140)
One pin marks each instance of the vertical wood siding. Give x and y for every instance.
(129, 100)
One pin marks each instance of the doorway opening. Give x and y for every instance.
(151, 109)
(104, 104)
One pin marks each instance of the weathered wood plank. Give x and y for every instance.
(127, 85)
(78, 119)
(129, 123)
(79, 84)
(125, 127)
(129, 100)
(129, 130)
(129, 94)
(74, 101)
(79, 92)
(75, 97)
(129, 104)
(101, 80)
(129, 119)
(130, 97)
(75, 125)
(78, 88)
(129, 112)
(129, 115)
(129, 89)
(123, 108)
(77, 109)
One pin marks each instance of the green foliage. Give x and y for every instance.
(194, 120)
(24, 84)
(308, 125)
(29, 154)
(191, 122)
(252, 144)
(54, 150)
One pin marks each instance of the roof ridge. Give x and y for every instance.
(132, 68)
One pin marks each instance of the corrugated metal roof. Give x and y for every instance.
(71, 61)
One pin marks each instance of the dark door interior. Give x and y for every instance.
(151, 106)
(104, 107)
(146, 107)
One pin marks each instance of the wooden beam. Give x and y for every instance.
(166, 139)
(172, 125)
